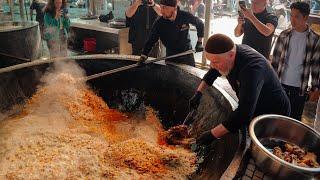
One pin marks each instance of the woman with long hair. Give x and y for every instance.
(56, 24)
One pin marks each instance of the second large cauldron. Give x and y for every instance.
(19, 40)
(166, 88)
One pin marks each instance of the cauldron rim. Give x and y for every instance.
(24, 24)
(240, 150)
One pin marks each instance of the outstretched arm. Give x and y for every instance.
(133, 8)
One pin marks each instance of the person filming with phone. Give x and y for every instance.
(56, 27)
(257, 26)
(140, 17)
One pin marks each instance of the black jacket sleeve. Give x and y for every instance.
(211, 76)
(251, 82)
(197, 23)
(128, 21)
(272, 19)
(33, 5)
(153, 38)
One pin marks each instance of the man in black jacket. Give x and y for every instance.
(39, 7)
(250, 76)
(140, 17)
(173, 31)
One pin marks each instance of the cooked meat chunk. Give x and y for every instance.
(298, 151)
(287, 157)
(178, 135)
(278, 152)
(288, 147)
(310, 159)
(296, 155)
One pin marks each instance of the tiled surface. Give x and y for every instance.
(253, 173)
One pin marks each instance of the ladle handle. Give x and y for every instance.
(190, 117)
(170, 57)
(94, 76)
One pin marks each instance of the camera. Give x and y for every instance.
(146, 2)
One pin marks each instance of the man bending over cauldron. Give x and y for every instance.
(251, 77)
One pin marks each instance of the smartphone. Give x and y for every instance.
(242, 4)
(64, 11)
(146, 2)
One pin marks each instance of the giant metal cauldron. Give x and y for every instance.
(20, 39)
(165, 87)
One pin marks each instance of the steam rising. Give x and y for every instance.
(57, 45)
(66, 131)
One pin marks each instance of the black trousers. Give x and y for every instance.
(297, 101)
(136, 50)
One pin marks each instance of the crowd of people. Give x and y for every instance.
(261, 88)
(279, 83)
(54, 24)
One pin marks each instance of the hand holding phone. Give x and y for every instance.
(240, 14)
(241, 19)
(242, 4)
(147, 2)
(64, 12)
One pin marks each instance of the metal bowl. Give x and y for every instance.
(284, 129)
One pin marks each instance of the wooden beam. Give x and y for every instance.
(207, 20)
(21, 7)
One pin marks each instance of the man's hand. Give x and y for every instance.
(247, 13)
(199, 47)
(137, 2)
(241, 20)
(58, 14)
(264, 29)
(142, 59)
(131, 10)
(195, 100)
(205, 138)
